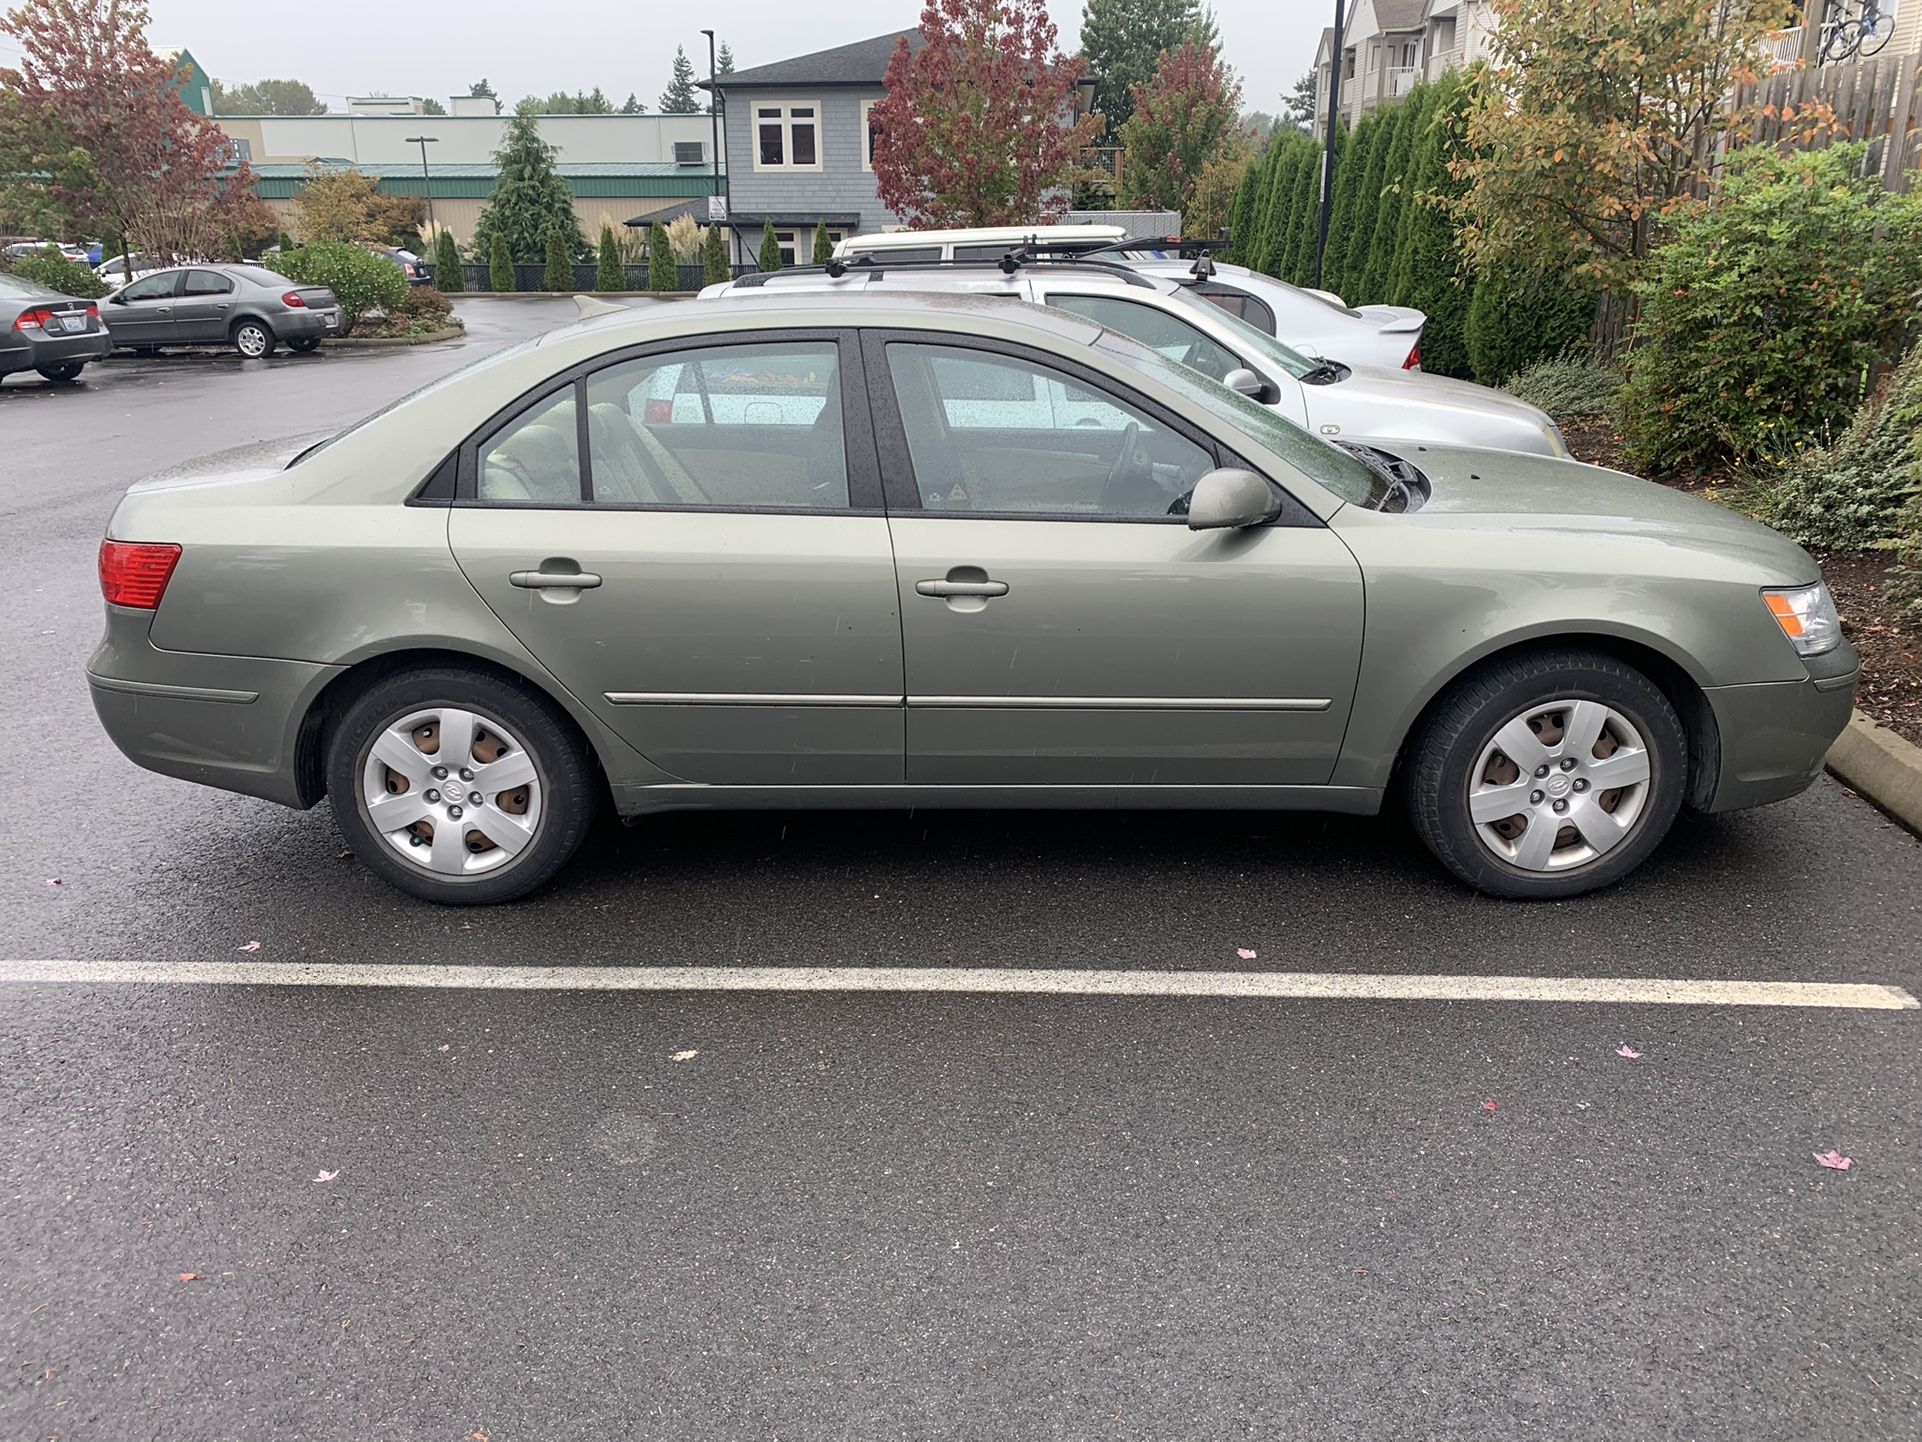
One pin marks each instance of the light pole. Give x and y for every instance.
(714, 124)
(1328, 155)
(426, 181)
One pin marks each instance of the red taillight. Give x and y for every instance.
(33, 319)
(135, 573)
(1413, 363)
(657, 413)
(93, 311)
(292, 298)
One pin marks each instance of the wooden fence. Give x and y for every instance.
(1878, 100)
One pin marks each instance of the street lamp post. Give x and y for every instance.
(714, 128)
(426, 181)
(1328, 154)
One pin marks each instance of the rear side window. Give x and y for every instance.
(1157, 329)
(206, 282)
(1241, 305)
(535, 457)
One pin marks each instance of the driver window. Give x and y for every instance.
(1001, 434)
(153, 287)
(1156, 329)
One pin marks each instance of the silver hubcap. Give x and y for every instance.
(451, 790)
(1559, 785)
(251, 341)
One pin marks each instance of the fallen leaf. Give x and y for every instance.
(685, 1055)
(477, 1436)
(1628, 1051)
(190, 1276)
(251, 946)
(1833, 1160)
(325, 1176)
(1489, 1105)
(1246, 953)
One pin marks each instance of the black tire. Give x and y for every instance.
(62, 375)
(305, 345)
(570, 788)
(254, 339)
(1458, 730)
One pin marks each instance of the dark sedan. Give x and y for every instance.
(246, 306)
(43, 330)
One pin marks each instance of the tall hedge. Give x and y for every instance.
(1427, 272)
(560, 262)
(1407, 117)
(449, 276)
(500, 265)
(714, 263)
(609, 272)
(1361, 225)
(1304, 220)
(663, 271)
(1517, 317)
(1348, 180)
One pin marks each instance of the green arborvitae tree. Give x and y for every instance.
(1305, 223)
(1372, 283)
(530, 202)
(448, 275)
(1348, 180)
(610, 274)
(823, 244)
(1367, 205)
(1517, 317)
(663, 271)
(500, 264)
(679, 97)
(1430, 271)
(560, 262)
(1241, 211)
(770, 252)
(714, 264)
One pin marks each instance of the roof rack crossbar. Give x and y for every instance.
(1009, 264)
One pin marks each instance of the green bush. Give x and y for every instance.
(560, 263)
(1517, 318)
(1864, 488)
(714, 264)
(448, 274)
(500, 264)
(1766, 313)
(610, 274)
(1427, 272)
(360, 280)
(53, 270)
(823, 245)
(770, 258)
(422, 311)
(1568, 387)
(663, 271)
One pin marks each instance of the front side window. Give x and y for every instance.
(787, 136)
(1168, 334)
(1002, 434)
(154, 287)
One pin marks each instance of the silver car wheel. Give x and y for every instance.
(251, 341)
(451, 790)
(1559, 785)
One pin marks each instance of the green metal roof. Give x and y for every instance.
(604, 179)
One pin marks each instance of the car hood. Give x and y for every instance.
(1500, 492)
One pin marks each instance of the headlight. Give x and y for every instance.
(1807, 617)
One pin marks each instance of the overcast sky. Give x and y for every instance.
(378, 46)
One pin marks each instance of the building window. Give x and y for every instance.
(787, 137)
(867, 135)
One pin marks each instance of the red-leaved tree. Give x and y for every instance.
(978, 125)
(138, 164)
(1183, 118)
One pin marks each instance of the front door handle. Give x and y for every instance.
(555, 580)
(961, 588)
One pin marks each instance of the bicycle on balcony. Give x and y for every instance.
(1857, 31)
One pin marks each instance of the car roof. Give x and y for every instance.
(955, 276)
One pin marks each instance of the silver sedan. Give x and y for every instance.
(248, 307)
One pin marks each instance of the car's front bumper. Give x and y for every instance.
(26, 350)
(227, 721)
(1775, 736)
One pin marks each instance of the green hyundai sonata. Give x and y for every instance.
(918, 550)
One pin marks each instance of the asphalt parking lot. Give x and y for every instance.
(495, 1212)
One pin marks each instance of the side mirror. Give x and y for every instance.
(1244, 381)
(1229, 498)
(116, 299)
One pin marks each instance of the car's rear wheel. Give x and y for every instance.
(305, 344)
(1548, 775)
(253, 339)
(460, 786)
(63, 374)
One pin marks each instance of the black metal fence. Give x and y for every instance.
(587, 277)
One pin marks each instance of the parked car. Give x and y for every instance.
(1315, 321)
(21, 249)
(528, 590)
(244, 306)
(412, 266)
(45, 331)
(115, 271)
(1337, 400)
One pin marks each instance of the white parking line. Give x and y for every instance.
(1248, 985)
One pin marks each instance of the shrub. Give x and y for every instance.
(823, 246)
(360, 280)
(662, 271)
(448, 274)
(610, 274)
(422, 311)
(1518, 318)
(560, 262)
(684, 238)
(1765, 314)
(1865, 487)
(500, 264)
(53, 270)
(770, 257)
(1568, 387)
(714, 263)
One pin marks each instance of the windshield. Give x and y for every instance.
(1332, 467)
(1250, 338)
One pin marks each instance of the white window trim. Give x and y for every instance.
(867, 135)
(786, 122)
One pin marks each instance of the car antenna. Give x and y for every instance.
(590, 307)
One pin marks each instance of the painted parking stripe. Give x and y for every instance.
(1248, 985)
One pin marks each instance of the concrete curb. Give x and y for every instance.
(452, 332)
(1882, 768)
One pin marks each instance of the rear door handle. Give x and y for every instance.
(557, 580)
(961, 588)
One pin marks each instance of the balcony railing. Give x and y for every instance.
(1442, 61)
(1399, 81)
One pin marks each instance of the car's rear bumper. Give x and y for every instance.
(226, 721)
(29, 350)
(291, 324)
(1775, 736)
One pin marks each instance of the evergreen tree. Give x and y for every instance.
(724, 60)
(560, 262)
(679, 97)
(633, 105)
(1241, 213)
(1367, 204)
(1429, 266)
(1354, 160)
(610, 274)
(714, 263)
(1305, 229)
(770, 252)
(663, 271)
(823, 246)
(1122, 41)
(1372, 286)
(500, 264)
(1517, 317)
(449, 278)
(530, 202)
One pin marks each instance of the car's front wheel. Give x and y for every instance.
(458, 785)
(65, 373)
(1548, 775)
(253, 339)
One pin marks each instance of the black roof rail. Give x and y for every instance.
(1017, 259)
